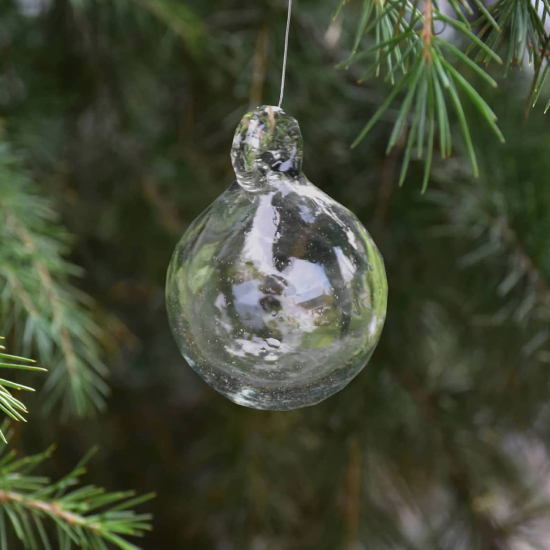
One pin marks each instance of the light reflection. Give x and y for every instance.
(277, 294)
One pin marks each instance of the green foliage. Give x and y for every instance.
(39, 305)
(404, 39)
(489, 218)
(180, 19)
(524, 21)
(442, 442)
(8, 403)
(81, 516)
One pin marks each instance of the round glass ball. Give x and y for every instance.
(276, 294)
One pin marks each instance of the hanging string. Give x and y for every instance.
(286, 52)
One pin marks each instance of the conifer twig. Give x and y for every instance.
(400, 34)
(39, 305)
(83, 516)
(11, 406)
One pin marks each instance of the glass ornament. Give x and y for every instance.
(276, 294)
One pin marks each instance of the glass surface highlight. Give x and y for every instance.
(276, 294)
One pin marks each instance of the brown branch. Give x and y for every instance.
(427, 32)
(46, 279)
(51, 508)
(353, 504)
(20, 292)
(260, 64)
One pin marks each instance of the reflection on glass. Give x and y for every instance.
(276, 294)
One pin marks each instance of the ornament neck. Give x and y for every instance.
(267, 144)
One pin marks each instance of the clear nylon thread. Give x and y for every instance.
(286, 52)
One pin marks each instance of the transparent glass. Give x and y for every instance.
(276, 294)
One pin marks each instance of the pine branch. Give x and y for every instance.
(415, 49)
(525, 25)
(37, 301)
(11, 406)
(83, 516)
(488, 219)
(479, 218)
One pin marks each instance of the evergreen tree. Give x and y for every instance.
(86, 517)
(117, 122)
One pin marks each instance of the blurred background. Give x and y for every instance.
(123, 113)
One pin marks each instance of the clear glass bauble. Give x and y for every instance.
(276, 294)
